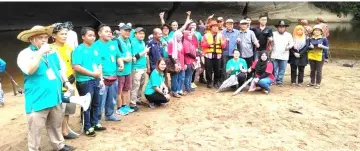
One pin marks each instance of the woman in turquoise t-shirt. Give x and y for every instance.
(238, 67)
(156, 91)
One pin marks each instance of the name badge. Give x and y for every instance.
(50, 74)
(112, 58)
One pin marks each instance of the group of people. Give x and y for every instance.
(112, 70)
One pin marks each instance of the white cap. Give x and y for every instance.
(129, 24)
(121, 24)
(243, 21)
(229, 21)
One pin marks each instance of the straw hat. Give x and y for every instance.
(36, 30)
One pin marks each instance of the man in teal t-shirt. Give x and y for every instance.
(110, 58)
(139, 53)
(124, 77)
(238, 67)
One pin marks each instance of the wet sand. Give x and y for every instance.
(206, 120)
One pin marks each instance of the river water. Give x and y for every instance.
(344, 43)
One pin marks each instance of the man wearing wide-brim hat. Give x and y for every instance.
(212, 44)
(43, 83)
(283, 42)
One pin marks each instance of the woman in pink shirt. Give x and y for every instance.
(176, 54)
(190, 48)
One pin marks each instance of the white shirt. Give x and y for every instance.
(72, 39)
(282, 44)
(27, 55)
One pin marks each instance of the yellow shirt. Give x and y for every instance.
(315, 53)
(65, 55)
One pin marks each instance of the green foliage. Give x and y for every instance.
(341, 8)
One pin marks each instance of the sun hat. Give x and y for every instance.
(36, 30)
(317, 27)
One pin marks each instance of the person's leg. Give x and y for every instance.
(156, 98)
(276, 70)
(293, 68)
(319, 66)
(142, 84)
(103, 99)
(136, 83)
(301, 74)
(83, 88)
(109, 103)
(188, 76)
(312, 71)
(249, 62)
(241, 77)
(53, 127)
(36, 121)
(265, 83)
(282, 68)
(181, 80)
(193, 77)
(209, 70)
(217, 74)
(174, 82)
(126, 92)
(224, 59)
(95, 103)
(121, 100)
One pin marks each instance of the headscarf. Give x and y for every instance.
(190, 44)
(176, 41)
(261, 65)
(299, 40)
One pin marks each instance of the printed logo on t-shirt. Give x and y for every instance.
(112, 47)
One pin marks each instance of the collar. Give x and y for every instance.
(232, 30)
(316, 37)
(32, 47)
(244, 31)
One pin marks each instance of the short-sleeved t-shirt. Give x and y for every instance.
(125, 51)
(87, 58)
(65, 55)
(269, 69)
(138, 46)
(109, 53)
(262, 36)
(164, 48)
(155, 80)
(236, 65)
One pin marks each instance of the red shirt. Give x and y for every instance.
(269, 69)
(180, 56)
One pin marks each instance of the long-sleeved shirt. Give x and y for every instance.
(232, 44)
(282, 44)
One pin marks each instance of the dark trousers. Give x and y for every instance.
(241, 77)
(316, 71)
(224, 60)
(91, 116)
(156, 98)
(249, 62)
(213, 65)
(294, 73)
(201, 76)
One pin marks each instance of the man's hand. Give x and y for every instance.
(70, 87)
(249, 70)
(167, 96)
(162, 14)
(134, 59)
(270, 39)
(297, 55)
(164, 43)
(227, 39)
(121, 68)
(96, 74)
(45, 48)
(101, 83)
(211, 16)
(311, 46)
(238, 40)
(188, 13)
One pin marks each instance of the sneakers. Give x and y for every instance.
(135, 108)
(193, 85)
(112, 118)
(98, 127)
(128, 109)
(122, 111)
(90, 132)
(67, 148)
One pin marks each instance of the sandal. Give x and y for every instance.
(90, 132)
(317, 86)
(310, 85)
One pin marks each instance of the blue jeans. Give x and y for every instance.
(188, 77)
(177, 81)
(108, 100)
(265, 83)
(91, 116)
(279, 69)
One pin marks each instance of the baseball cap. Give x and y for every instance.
(243, 21)
(229, 21)
(125, 27)
(138, 29)
(121, 24)
(220, 19)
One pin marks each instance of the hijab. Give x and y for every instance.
(261, 65)
(190, 43)
(299, 40)
(177, 45)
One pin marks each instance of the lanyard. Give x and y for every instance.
(46, 61)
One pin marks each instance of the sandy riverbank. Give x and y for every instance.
(217, 121)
